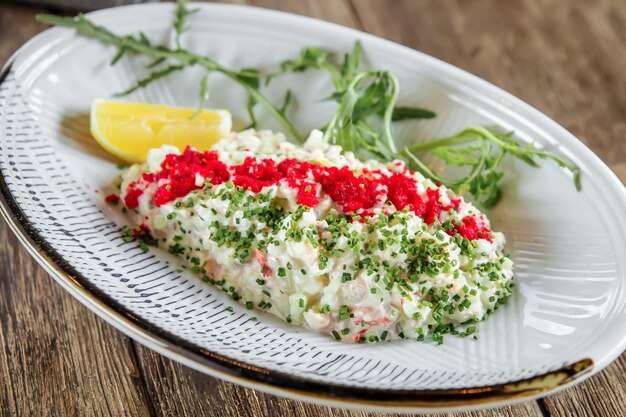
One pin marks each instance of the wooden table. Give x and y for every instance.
(567, 58)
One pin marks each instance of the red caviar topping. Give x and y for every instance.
(454, 204)
(177, 177)
(132, 196)
(293, 168)
(180, 173)
(402, 192)
(112, 199)
(307, 194)
(256, 174)
(472, 227)
(354, 193)
(433, 206)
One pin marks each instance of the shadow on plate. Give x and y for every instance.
(76, 128)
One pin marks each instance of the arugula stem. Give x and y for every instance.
(466, 135)
(275, 112)
(477, 132)
(388, 115)
(87, 28)
(484, 176)
(332, 71)
(459, 138)
(476, 169)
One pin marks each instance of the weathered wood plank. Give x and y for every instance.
(601, 395)
(56, 358)
(336, 11)
(178, 390)
(17, 25)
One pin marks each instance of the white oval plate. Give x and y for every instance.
(566, 320)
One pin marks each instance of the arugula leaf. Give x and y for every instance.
(343, 74)
(351, 63)
(309, 58)
(369, 92)
(153, 76)
(155, 63)
(204, 96)
(251, 77)
(457, 156)
(359, 95)
(118, 56)
(286, 102)
(485, 159)
(180, 23)
(404, 113)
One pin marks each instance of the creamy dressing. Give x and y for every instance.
(375, 274)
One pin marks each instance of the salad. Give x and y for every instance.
(364, 251)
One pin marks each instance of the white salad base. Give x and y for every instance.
(359, 292)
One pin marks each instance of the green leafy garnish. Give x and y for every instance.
(153, 76)
(180, 24)
(363, 122)
(361, 95)
(484, 154)
(366, 107)
(204, 95)
(404, 113)
(179, 57)
(141, 235)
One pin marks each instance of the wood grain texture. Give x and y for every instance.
(601, 395)
(565, 58)
(336, 11)
(178, 391)
(16, 27)
(57, 358)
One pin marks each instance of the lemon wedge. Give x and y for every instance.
(129, 130)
